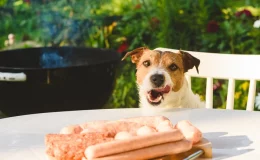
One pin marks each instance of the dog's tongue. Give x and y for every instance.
(166, 89)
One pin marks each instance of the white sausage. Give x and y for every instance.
(123, 135)
(151, 151)
(74, 129)
(145, 130)
(137, 142)
(189, 131)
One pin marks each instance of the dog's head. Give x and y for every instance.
(160, 73)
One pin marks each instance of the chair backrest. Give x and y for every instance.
(226, 66)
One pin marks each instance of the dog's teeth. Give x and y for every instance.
(157, 99)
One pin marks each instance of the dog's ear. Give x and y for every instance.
(135, 54)
(189, 61)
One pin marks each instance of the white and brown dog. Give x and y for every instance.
(161, 78)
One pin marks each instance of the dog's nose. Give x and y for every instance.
(157, 79)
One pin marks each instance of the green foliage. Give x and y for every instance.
(204, 25)
(125, 95)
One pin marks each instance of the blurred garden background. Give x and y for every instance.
(220, 26)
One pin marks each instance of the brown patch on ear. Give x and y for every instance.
(189, 61)
(135, 54)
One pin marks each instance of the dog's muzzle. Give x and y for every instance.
(157, 80)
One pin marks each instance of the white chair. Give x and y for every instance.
(226, 66)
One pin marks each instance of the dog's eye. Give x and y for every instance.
(146, 63)
(173, 67)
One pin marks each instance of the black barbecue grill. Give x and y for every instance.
(49, 79)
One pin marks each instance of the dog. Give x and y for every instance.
(160, 78)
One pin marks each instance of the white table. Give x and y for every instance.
(234, 134)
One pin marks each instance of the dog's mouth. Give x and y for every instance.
(155, 96)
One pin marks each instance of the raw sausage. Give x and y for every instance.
(113, 147)
(74, 129)
(145, 130)
(113, 127)
(151, 121)
(189, 131)
(152, 151)
(93, 123)
(123, 135)
(164, 126)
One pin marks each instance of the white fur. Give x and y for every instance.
(184, 98)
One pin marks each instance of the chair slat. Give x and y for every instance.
(209, 93)
(251, 95)
(230, 94)
(188, 80)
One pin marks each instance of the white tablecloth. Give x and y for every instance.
(234, 134)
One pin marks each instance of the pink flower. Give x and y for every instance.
(217, 85)
(245, 11)
(212, 26)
